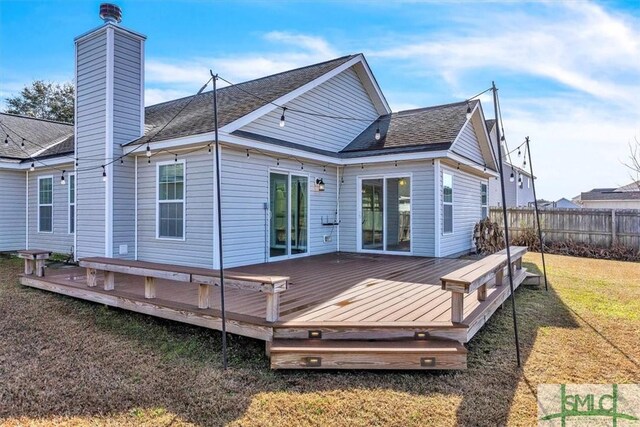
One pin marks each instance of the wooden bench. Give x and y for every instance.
(476, 276)
(34, 260)
(272, 286)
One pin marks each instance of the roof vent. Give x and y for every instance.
(110, 13)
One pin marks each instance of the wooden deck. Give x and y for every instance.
(340, 296)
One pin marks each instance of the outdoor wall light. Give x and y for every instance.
(319, 184)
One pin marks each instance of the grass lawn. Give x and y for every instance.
(68, 362)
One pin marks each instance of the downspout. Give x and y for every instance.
(27, 209)
(337, 219)
(135, 198)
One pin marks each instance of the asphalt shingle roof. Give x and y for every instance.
(622, 193)
(432, 128)
(39, 135)
(233, 102)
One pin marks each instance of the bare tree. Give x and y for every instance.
(633, 163)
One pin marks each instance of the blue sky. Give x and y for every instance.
(568, 72)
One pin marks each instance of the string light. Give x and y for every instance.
(33, 167)
(149, 160)
(485, 168)
(247, 153)
(62, 181)
(377, 130)
(175, 159)
(104, 174)
(76, 162)
(458, 166)
(121, 161)
(324, 168)
(502, 136)
(512, 176)
(301, 166)
(519, 152)
(361, 165)
(209, 145)
(282, 117)
(6, 140)
(277, 162)
(524, 164)
(468, 110)
(520, 179)
(23, 142)
(396, 163)
(148, 150)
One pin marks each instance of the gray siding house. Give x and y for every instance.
(518, 182)
(342, 172)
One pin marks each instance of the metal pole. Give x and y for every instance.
(506, 226)
(535, 203)
(219, 203)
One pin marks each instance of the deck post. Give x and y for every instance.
(39, 267)
(499, 277)
(482, 292)
(204, 299)
(457, 306)
(273, 306)
(91, 277)
(28, 267)
(149, 287)
(109, 280)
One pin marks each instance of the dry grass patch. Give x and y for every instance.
(69, 362)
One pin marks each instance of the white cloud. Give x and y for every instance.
(288, 51)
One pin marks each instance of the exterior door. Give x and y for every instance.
(289, 212)
(385, 213)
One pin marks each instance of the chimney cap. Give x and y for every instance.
(110, 13)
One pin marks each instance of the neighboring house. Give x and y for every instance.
(518, 185)
(318, 184)
(562, 203)
(625, 197)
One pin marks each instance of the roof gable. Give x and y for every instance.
(342, 95)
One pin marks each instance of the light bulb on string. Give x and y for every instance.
(62, 181)
(468, 110)
(282, 117)
(175, 159)
(377, 136)
(6, 140)
(519, 152)
(33, 167)
(148, 150)
(104, 174)
(22, 142)
(512, 177)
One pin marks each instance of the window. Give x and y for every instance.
(484, 212)
(45, 204)
(72, 203)
(447, 200)
(170, 210)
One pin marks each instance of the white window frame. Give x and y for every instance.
(72, 204)
(484, 207)
(41, 178)
(384, 178)
(453, 225)
(289, 173)
(184, 200)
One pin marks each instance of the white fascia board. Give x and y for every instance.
(40, 164)
(476, 114)
(486, 134)
(244, 143)
(42, 150)
(265, 109)
(472, 168)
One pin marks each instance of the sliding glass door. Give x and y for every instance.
(385, 214)
(289, 211)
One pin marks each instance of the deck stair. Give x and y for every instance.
(415, 354)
